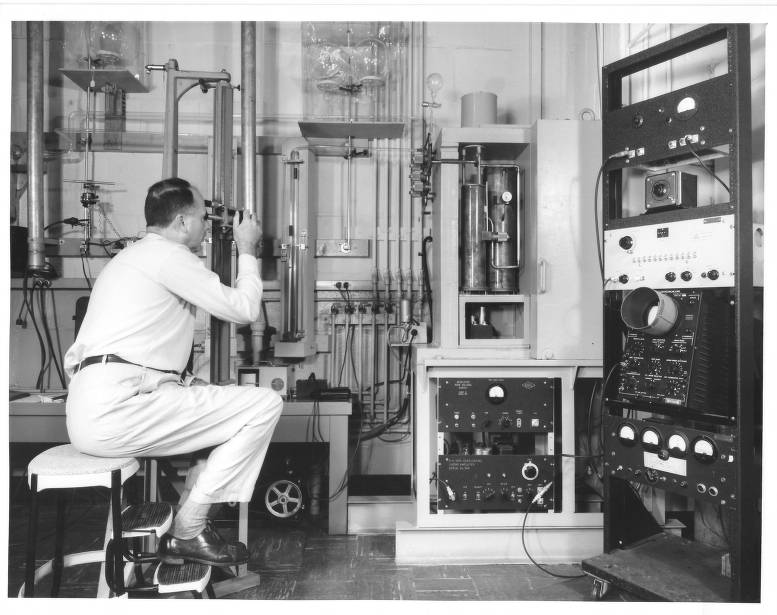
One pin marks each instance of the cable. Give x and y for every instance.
(31, 311)
(588, 429)
(353, 361)
(346, 350)
(536, 498)
(448, 489)
(49, 338)
(616, 155)
(427, 284)
(704, 166)
(73, 222)
(83, 268)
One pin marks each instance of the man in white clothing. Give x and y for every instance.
(126, 395)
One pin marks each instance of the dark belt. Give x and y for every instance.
(112, 358)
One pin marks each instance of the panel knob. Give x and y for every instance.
(713, 274)
(686, 275)
(623, 279)
(626, 242)
(670, 277)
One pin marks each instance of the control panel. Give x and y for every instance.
(496, 444)
(687, 366)
(690, 462)
(494, 482)
(690, 253)
(496, 404)
(658, 129)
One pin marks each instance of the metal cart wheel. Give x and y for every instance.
(599, 589)
(283, 498)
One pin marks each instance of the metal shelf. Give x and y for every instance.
(121, 78)
(351, 129)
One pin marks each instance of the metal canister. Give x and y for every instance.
(503, 212)
(473, 248)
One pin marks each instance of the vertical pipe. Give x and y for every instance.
(248, 112)
(221, 173)
(35, 245)
(360, 360)
(170, 143)
(349, 194)
(333, 347)
(291, 317)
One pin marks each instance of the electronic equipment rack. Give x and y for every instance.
(682, 408)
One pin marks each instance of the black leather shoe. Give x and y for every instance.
(206, 548)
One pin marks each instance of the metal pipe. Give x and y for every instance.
(221, 173)
(170, 144)
(248, 112)
(473, 253)
(360, 360)
(349, 194)
(170, 141)
(290, 325)
(35, 244)
(333, 346)
(386, 348)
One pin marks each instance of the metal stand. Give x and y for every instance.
(672, 443)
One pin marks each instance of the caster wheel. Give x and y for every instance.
(283, 499)
(599, 589)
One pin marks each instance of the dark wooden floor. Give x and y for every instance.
(299, 561)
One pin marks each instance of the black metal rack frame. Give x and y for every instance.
(723, 120)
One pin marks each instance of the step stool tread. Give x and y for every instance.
(189, 576)
(145, 517)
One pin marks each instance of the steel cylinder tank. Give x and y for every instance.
(503, 214)
(474, 250)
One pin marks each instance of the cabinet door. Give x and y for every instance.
(568, 284)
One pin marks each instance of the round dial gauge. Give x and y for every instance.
(677, 445)
(704, 450)
(627, 434)
(651, 439)
(496, 393)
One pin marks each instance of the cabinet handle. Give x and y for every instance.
(542, 276)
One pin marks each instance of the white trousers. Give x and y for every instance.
(117, 410)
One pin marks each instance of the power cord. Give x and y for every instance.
(704, 166)
(616, 155)
(543, 490)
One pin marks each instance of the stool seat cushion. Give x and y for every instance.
(63, 467)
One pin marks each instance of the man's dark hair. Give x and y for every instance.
(166, 199)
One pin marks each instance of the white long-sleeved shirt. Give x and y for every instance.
(142, 306)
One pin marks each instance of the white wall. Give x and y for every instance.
(536, 70)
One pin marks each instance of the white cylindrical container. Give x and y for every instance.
(478, 108)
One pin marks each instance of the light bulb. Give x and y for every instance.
(434, 82)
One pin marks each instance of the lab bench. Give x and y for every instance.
(33, 420)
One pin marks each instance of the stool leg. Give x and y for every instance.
(118, 539)
(59, 546)
(32, 537)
